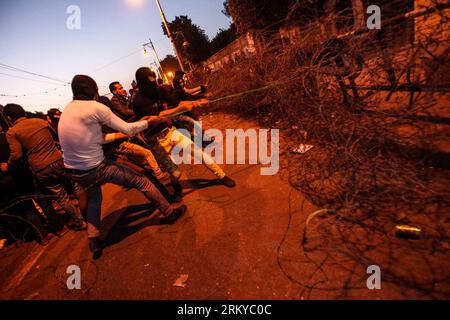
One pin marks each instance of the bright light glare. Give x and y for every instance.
(135, 3)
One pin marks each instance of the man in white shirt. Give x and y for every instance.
(81, 139)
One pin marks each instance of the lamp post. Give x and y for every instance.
(158, 70)
(151, 46)
(186, 46)
(169, 34)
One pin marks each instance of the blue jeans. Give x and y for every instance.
(111, 172)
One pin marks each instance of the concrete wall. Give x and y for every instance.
(243, 47)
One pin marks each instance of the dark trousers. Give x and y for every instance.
(112, 172)
(54, 181)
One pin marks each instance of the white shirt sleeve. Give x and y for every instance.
(108, 118)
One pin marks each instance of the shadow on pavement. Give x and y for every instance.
(197, 184)
(119, 224)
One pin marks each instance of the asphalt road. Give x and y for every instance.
(240, 243)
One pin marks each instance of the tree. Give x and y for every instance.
(170, 64)
(225, 10)
(190, 40)
(223, 38)
(251, 15)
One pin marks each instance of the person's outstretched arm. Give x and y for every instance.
(184, 106)
(108, 118)
(111, 137)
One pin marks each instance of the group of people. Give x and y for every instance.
(126, 140)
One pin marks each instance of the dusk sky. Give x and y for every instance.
(35, 38)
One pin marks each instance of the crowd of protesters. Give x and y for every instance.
(52, 170)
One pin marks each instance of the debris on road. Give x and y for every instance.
(181, 281)
(304, 134)
(32, 296)
(302, 148)
(2, 243)
(409, 232)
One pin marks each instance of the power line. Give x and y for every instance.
(33, 93)
(19, 77)
(11, 68)
(65, 83)
(32, 73)
(117, 60)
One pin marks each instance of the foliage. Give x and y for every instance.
(184, 31)
(223, 38)
(170, 63)
(250, 15)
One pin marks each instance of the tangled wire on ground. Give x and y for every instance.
(377, 153)
(15, 223)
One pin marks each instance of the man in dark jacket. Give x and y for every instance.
(53, 116)
(148, 102)
(120, 101)
(33, 138)
(16, 220)
(181, 93)
(188, 119)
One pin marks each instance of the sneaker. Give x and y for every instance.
(178, 194)
(228, 182)
(171, 218)
(163, 177)
(96, 247)
(45, 240)
(176, 198)
(62, 232)
(77, 224)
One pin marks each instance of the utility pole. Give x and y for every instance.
(157, 58)
(161, 73)
(163, 17)
(159, 66)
